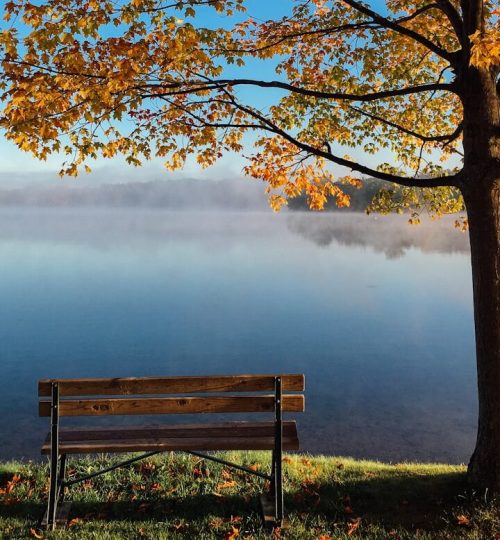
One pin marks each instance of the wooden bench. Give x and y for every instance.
(153, 395)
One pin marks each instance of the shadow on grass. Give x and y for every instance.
(406, 502)
(390, 501)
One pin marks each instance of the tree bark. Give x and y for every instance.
(483, 208)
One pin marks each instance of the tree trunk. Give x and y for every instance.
(482, 199)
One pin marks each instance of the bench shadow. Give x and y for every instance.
(419, 501)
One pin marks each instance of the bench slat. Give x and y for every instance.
(184, 405)
(185, 443)
(219, 429)
(222, 436)
(170, 385)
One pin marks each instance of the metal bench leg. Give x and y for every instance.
(277, 458)
(54, 459)
(62, 476)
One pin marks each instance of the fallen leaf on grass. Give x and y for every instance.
(234, 533)
(74, 521)
(11, 484)
(216, 523)
(276, 532)
(324, 537)
(146, 468)
(181, 524)
(227, 485)
(286, 459)
(35, 534)
(353, 526)
(463, 520)
(255, 466)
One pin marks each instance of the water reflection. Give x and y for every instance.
(386, 343)
(385, 234)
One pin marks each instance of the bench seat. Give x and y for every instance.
(214, 436)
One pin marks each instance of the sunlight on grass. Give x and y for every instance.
(180, 496)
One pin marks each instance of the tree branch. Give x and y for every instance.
(393, 25)
(424, 138)
(454, 17)
(319, 93)
(451, 180)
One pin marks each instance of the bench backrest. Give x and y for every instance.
(141, 396)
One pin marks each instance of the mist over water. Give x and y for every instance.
(376, 313)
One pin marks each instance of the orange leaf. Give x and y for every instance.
(74, 521)
(324, 537)
(463, 520)
(216, 523)
(353, 526)
(227, 485)
(234, 533)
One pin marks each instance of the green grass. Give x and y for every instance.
(178, 496)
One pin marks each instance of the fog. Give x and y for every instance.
(181, 194)
(391, 235)
(143, 229)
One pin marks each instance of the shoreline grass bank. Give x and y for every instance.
(179, 496)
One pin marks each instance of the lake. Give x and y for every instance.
(376, 313)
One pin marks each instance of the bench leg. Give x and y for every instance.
(52, 502)
(62, 475)
(54, 459)
(278, 456)
(278, 488)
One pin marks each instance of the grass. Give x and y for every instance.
(179, 496)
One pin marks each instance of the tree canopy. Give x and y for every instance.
(146, 78)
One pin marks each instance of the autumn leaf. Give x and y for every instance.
(217, 522)
(233, 533)
(227, 485)
(324, 537)
(75, 521)
(353, 526)
(463, 520)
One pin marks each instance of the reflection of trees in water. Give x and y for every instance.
(391, 235)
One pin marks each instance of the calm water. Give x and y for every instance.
(376, 313)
